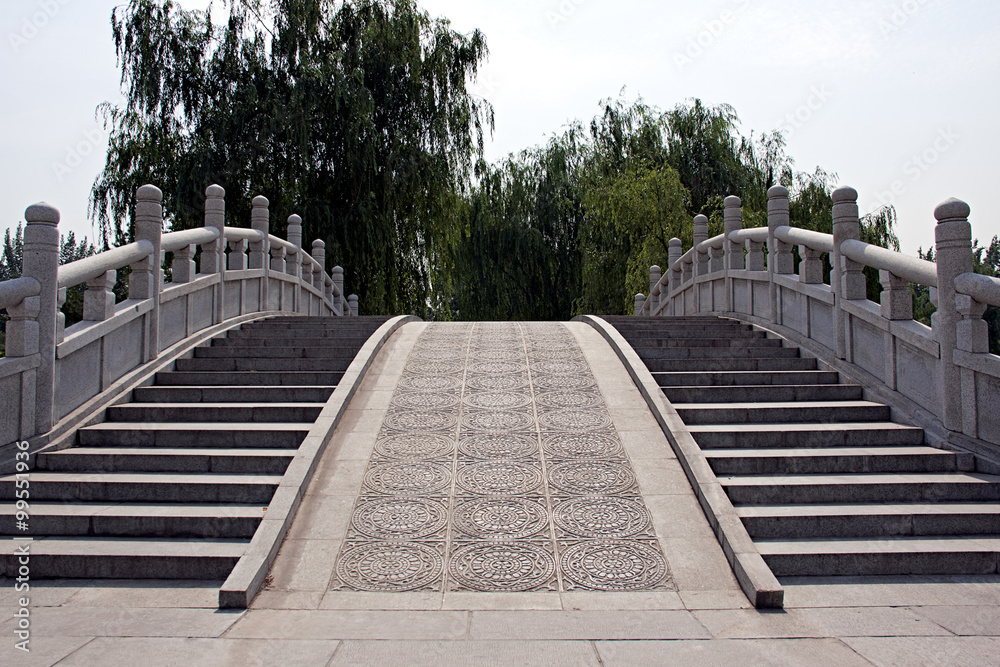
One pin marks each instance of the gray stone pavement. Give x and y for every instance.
(307, 616)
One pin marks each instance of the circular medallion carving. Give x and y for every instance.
(506, 400)
(421, 420)
(424, 400)
(499, 478)
(509, 353)
(498, 420)
(443, 367)
(408, 478)
(498, 446)
(582, 446)
(574, 420)
(390, 566)
(591, 477)
(560, 367)
(496, 382)
(497, 367)
(601, 517)
(569, 399)
(399, 518)
(501, 566)
(500, 518)
(435, 383)
(614, 565)
(410, 446)
(563, 381)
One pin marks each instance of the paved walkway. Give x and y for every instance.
(499, 494)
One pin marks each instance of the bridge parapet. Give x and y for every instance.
(50, 371)
(941, 377)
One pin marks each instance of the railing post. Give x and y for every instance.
(182, 270)
(144, 282)
(293, 265)
(844, 279)
(674, 253)
(811, 266)
(655, 273)
(213, 255)
(352, 302)
(953, 247)
(237, 260)
(779, 255)
(755, 255)
(99, 299)
(971, 335)
(40, 260)
(699, 236)
(640, 301)
(319, 273)
(259, 221)
(337, 274)
(733, 223)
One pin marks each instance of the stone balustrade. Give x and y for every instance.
(51, 370)
(941, 377)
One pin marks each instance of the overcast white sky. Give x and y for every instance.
(886, 93)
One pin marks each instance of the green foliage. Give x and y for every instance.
(354, 115)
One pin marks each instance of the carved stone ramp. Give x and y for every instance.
(176, 479)
(499, 466)
(824, 482)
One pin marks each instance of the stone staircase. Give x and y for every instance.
(824, 481)
(174, 484)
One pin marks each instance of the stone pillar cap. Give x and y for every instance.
(701, 219)
(845, 194)
(319, 244)
(675, 242)
(952, 209)
(732, 201)
(294, 220)
(215, 191)
(149, 193)
(777, 191)
(260, 202)
(41, 213)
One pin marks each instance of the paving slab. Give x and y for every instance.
(725, 653)
(926, 651)
(527, 625)
(43, 650)
(80, 621)
(153, 652)
(465, 653)
(331, 624)
(839, 622)
(965, 620)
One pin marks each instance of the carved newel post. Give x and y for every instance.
(699, 236)
(145, 280)
(847, 279)
(40, 260)
(655, 273)
(640, 301)
(953, 247)
(337, 273)
(352, 303)
(674, 253)
(779, 254)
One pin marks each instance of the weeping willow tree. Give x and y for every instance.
(355, 115)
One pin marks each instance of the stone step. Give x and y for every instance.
(121, 558)
(135, 520)
(194, 434)
(285, 352)
(745, 378)
(712, 353)
(861, 488)
(233, 394)
(730, 365)
(754, 339)
(869, 521)
(812, 412)
(146, 487)
(766, 436)
(345, 337)
(894, 556)
(245, 413)
(836, 460)
(248, 379)
(278, 341)
(764, 393)
(272, 365)
(166, 459)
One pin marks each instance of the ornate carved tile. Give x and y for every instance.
(498, 468)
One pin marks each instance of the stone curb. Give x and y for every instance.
(754, 576)
(247, 578)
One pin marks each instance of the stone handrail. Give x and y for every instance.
(805, 237)
(908, 268)
(985, 289)
(88, 268)
(13, 292)
(941, 377)
(51, 373)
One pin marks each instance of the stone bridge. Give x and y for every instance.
(501, 492)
